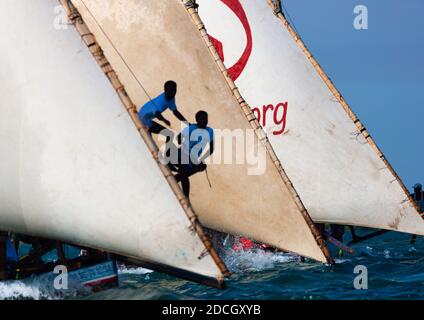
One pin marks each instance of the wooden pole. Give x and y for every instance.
(259, 131)
(183, 274)
(338, 243)
(3, 256)
(359, 239)
(97, 52)
(60, 253)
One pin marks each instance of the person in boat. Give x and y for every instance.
(246, 244)
(194, 139)
(418, 196)
(337, 231)
(155, 107)
(8, 257)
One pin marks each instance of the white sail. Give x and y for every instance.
(334, 165)
(149, 42)
(73, 166)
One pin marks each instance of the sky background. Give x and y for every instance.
(379, 71)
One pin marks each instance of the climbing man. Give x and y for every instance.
(155, 107)
(193, 140)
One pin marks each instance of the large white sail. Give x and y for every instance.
(148, 42)
(334, 165)
(73, 166)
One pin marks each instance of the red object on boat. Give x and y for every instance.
(244, 244)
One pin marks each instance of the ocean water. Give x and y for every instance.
(395, 271)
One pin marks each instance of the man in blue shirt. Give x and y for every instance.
(154, 108)
(193, 140)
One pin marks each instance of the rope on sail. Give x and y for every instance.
(118, 52)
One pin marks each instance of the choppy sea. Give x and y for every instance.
(395, 270)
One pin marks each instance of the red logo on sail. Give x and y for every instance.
(279, 111)
(236, 70)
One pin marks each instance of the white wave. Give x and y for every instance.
(341, 261)
(122, 269)
(39, 288)
(255, 259)
(13, 290)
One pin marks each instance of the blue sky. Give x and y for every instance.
(379, 71)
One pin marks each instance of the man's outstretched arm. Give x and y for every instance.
(179, 116)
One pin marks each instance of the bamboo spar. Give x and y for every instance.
(94, 48)
(251, 117)
(277, 8)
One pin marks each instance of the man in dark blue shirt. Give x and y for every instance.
(194, 140)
